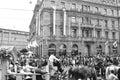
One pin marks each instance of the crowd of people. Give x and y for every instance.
(28, 64)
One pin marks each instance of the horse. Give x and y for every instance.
(83, 72)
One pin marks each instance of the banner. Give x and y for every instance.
(106, 47)
(34, 44)
(115, 44)
(106, 43)
(28, 46)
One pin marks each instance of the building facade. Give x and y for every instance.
(72, 26)
(16, 38)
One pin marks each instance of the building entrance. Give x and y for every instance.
(88, 48)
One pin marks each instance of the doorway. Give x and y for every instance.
(88, 50)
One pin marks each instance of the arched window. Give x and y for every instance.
(62, 51)
(114, 50)
(74, 49)
(99, 49)
(52, 49)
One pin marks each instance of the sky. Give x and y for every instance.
(16, 14)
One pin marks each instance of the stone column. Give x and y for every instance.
(9, 38)
(94, 32)
(69, 26)
(64, 28)
(54, 21)
(39, 23)
(79, 30)
(2, 39)
(102, 30)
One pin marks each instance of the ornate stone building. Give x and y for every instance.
(86, 26)
(16, 38)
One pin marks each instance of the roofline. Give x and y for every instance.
(38, 4)
(13, 30)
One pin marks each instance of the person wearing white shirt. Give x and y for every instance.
(112, 76)
(109, 69)
(11, 72)
(54, 59)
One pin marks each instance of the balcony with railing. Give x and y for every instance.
(62, 37)
(75, 38)
(51, 37)
(98, 13)
(114, 39)
(114, 28)
(98, 26)
(86, 11)
(99, 39)
(74, 25)
(88, 39)
(73, 9)
(106, 27)
(87, 25)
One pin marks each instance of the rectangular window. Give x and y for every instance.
(106, 34)
(112, 12)
(88, 8)
(98, 22)
(87, 33)
(86, 20)
(96, 9)
(61, 31)
(83, 33)
(73, 19)
(53, 2)
(82, 19)
(84, 7)
(113, 24)
(113, 35)
(51, 31)
(73, 6)
(98, 34)
(106, 23)
(74, 32)
(90, 33)
(105, 11)
(63, 4)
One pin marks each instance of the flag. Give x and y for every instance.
(28, 46)
(107, 47)
(115, 44)
(34, 44)
(106, 43)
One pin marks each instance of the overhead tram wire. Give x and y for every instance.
(16, 9)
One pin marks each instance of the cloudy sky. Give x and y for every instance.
(16, 14)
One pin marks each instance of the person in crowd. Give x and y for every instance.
(40, 71)
(27, 70)
(54, 61)
(112, 76)
(11, 72)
